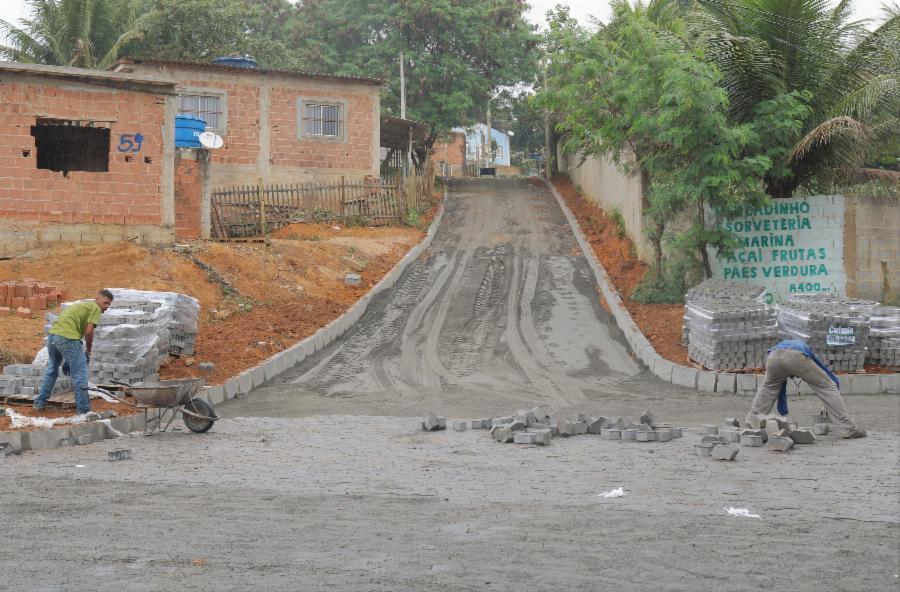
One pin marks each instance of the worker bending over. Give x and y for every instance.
(793, 358)
(77, 321)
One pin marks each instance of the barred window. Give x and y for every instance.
(207, 107)
(322, 120)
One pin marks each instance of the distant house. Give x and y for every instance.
(277, 125)
(449, 155)
(476, 149)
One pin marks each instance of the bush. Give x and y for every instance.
(669, 288)
(619, 221)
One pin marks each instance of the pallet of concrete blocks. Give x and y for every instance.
(884, 337)
(714, 290)
(837, 332)
(731, 334)
(25, 380)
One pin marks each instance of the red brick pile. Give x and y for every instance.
(23, 297)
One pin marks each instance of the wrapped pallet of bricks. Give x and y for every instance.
(715, 290)
(884, 337)
(138, 331)
(837, 332)
(730, 334)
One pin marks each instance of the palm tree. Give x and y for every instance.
(852, 76)
(82, 33)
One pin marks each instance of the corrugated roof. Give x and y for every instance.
(102, 77)
(237, 70)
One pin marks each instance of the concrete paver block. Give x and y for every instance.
(611, 434)
(706, 381)
(595, 425)
(746, 384)
(542, 436)
(709, 429)
(780, 444)
(640, 436)
(459, 426)
(712, 439)
(820, 429)
(85, 439)
(890, 383)
(503, 435)
(730, 435)
(751, 441)
(724, 452)
(684, 376)
(802, 437)
(726, 382)
(676, 432)
(703, 449)
(629, 435)
(432, 423)
(663, 369)
(524, 437)
(664, 434)
(119, 454)
(14, 439)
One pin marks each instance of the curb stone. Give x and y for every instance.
(681, 375)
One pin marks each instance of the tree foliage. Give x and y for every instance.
(640, 94)
(81, 33)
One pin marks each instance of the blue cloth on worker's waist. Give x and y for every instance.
(800, 346)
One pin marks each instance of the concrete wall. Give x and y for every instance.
(872, 248)
(133, 198)
(261, 125)
(604, 183)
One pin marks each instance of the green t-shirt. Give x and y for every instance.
(72, 322)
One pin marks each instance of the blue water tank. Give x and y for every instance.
(188, 130)
(236, 61)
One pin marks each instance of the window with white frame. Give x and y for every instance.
(321, 119)
(207, 106)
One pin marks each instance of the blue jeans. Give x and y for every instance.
(71, 351)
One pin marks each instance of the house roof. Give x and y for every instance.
(106, 78)
(238, 70)
(395, 132)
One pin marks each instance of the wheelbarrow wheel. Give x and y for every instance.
(199, 424)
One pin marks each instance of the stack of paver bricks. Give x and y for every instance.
(884, 337)
(837, 330)
(25, 380)
(138, 331)
(24, 297)
(728, 325)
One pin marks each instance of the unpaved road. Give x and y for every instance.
(331, 486)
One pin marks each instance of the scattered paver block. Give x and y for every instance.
(611, 434)
(752, 441)
(820, 429)
(677, 432)
(730, 435)
(206, 366)
(542, 436)
(480, 424)
(459, 426)
(724, 452)
(119, 454)
(501, 421)
(524, 437)
(432, 423)
(709, 429)
(641, 427)
(503, 435)
(629, 435)
(352, 279)
(703, 449)
(85, 439)
(615, 423)
(802, 437)
(781, 422)
(780, 444)
(641, 436)
(664, 434)
(595, 425)
(712, 439)
(762, 434)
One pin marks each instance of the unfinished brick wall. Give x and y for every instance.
(129, 193)
(188, 196)
(453, 151)
(287, 149)
(241, 120)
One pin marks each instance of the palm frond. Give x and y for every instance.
(842, 134)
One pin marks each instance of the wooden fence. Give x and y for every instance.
(258, 210)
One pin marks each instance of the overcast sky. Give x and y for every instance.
(12, 10)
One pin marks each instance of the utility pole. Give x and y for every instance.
(402, 89)
(546, 130)
(488, 143)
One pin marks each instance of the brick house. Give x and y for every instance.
(85, 156)
(450, 155)
(280, 126)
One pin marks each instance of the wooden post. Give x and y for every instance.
(261, 194)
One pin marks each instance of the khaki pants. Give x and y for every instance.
(783, 363)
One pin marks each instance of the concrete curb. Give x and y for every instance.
(702, 380)
(247, 380)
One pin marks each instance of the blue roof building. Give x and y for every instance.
(475, 148)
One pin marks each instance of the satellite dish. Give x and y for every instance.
(211, 140)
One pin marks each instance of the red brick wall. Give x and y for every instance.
(242, 121)
(188, 197)
(453, 152)
(287, 149)
(129, 193)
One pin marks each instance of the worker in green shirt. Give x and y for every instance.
(77, 321)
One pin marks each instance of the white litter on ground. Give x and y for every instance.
(18, 420)
(741, 513)
(614, 493)
(113, 430)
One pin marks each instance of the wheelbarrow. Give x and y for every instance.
(169, 398)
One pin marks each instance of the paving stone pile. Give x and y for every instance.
(137, 332)
(884, 337)
(24, 380)
(731, 333)
(837, 332)
(715, 290)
